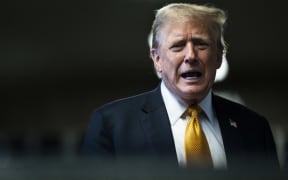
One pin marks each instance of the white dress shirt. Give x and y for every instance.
(209, 123)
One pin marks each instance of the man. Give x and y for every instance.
(187, 49)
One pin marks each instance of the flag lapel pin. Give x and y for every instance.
(233, 123)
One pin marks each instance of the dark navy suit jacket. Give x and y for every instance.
(138, 126)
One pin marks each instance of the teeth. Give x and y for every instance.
(190, 75)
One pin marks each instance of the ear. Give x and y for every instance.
(154, 53)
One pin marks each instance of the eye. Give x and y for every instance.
(201, 44)
(177, 46)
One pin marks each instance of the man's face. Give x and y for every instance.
(187, 59)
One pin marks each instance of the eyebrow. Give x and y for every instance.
(202, 37)
(180, 38)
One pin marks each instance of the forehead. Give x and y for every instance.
(183, 29)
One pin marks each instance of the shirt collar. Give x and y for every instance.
(176, 107)
(206, 106)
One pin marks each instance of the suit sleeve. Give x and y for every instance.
(98, 140)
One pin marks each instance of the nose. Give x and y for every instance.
(190, 54)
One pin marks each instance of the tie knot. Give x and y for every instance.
(193, 111)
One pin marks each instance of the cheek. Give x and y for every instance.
(175, 62)
(173, 69)
(171, 63)
(211, 62)
(168, 65)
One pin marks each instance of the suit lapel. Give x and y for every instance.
(157, 126)
(230, 130)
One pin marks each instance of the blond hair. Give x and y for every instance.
(212, 18)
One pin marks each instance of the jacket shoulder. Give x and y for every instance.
(234, 109)
(127, 103)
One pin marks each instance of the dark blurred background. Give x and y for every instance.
(59, 60)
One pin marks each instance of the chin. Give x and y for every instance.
(194, 89)
(195, 93)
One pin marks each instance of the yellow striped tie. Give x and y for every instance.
(196, 145)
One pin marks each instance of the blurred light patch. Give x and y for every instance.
(222, 72)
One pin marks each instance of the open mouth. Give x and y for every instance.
(191, 75)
